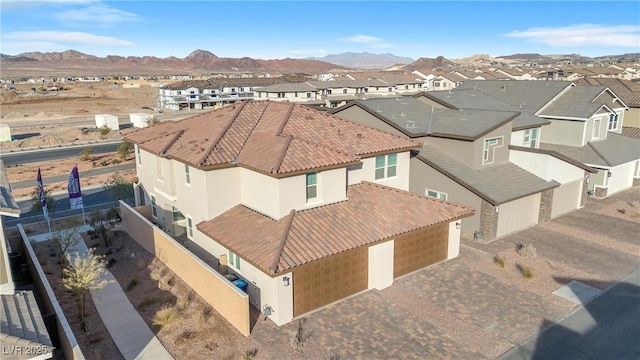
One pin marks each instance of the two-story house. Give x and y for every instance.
(307, 207)
(585, 125)
(465, 159)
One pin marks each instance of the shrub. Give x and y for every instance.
(104, 131)
(204, 315)
(499, 261)
(526, 271)
(300, 336)
(132, 284)
(111, 262)
(85, 155)
(147, 301)
(166, 316)
(250, 354)
(527, 251)
(104, 163)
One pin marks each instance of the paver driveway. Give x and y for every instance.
(468, 308)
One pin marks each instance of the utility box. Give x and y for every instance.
(5, 133)
(139, 120)
(111, 121)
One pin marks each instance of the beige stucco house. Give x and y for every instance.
(307, 207)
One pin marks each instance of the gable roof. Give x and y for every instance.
(496, 184)
(275, 138)
(416, 118)
(372, 213)
(627, 91)
(470, 99)
(579, 102)
(615, 150)
(530, 95)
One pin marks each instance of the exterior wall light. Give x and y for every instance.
(458, 225)
(609, 174)
(497, 209)
(285, 280)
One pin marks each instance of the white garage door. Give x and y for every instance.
(566, 198)
(518, 214)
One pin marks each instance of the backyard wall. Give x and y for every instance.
(68, 342)
(215, 289)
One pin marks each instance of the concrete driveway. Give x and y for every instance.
(469, 308)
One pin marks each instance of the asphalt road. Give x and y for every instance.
(606, 328)
(92, 198)
(65, 177)
(50, 154)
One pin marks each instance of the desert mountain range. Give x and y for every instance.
(72, 62)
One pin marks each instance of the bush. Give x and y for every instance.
(526, 271)
(250, 354)
(499, 261)
(166, 316)
(132, 284)
(300, 336)
(527, 251)
(204, 315)
(147, 301)
(104, 131)
(85, 155)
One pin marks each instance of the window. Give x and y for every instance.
(344, 91)
(187, 175)
(613, 121)
(308, 95)
(390, 89)
(234, 260)
(138, 153)
(154, 208)
(177, 215)
(189, 227)
(596, 129)
(295, 94)
(312, 186)
(435, 194)
(489, 150)
(386, 166)
(531, 137)
(280, 95)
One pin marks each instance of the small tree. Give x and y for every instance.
(36, 206)
(100, 224)
(85, 155)
(152, 121)
(119, 188)
(124, 149)
(64, 240)
(104, 131)
(81, 276)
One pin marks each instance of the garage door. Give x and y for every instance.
(325, 281)
(566, 198)
(518, 214)
(420, 248)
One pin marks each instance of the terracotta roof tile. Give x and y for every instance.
(371, 213)
(271, 137)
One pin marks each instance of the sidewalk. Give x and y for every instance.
(131, 334)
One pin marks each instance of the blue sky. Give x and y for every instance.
(298, 29)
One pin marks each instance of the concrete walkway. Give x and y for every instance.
(128, 330)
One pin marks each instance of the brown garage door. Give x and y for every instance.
(325, 281)
(420, 248)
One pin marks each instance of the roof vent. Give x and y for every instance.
(410, 124)
(360, 136)
(403, 114)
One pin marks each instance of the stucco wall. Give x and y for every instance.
(224, 297)
(546, 166)
(565, 132)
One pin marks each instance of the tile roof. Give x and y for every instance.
(627, 91)
(577, 102)
(470, 99)
(496, 184)
(630, 131)
(371, 213)
(8, 205)
(415, 118)
(218, 83)
(531, 95)
(615, 150)
(287, 87)
(275, 138)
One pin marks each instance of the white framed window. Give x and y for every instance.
(531, 137)
(187, 175)
(489, 149)
(386, 166)
(613, 121)
(308, 95)
(189, 227)
(154, 207)
(138, 155)
(435, 194)
(234, 260)
(312, 186)
(596, 129)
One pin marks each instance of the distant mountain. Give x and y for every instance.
(429, 63)
(72, 62)
(364, 60)
(525, 57)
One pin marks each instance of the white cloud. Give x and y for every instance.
(307, 52)
(40, 45)
(66, 37)
(364, 39)
(582, 35)
(96, 14)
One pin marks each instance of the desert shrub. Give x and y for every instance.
(116, 161)
(622, 211)
(300, 335)
(104, 163)
(85, 155)
(250, 354)
(204, 315)
(334, 357)
(147, 301)
(104, 131)
(95, 338)
(166, 316)
(526, 251)
(526, 271)
(499, 261)
(132, 284)
(111, 262)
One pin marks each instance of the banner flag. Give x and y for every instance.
(75, 195)
(43, 198)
